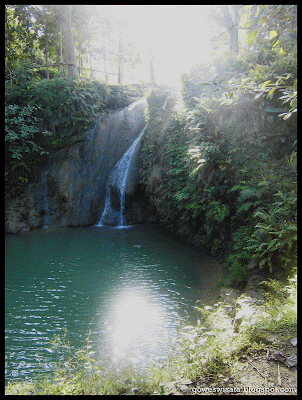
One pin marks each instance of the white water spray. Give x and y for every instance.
(117, 181)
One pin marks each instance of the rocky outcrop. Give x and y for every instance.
(25, 213)
(75, 179)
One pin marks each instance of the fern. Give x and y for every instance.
(249, 193)
(274, 240)
(240, 255)
(217, 211)
(245, 207)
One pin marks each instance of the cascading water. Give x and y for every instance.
(44, 191)
(114, 210)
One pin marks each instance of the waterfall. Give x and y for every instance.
(44, 191)
(114, 210)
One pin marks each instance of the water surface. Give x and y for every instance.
(130, 287)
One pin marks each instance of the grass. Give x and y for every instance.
(281, 308)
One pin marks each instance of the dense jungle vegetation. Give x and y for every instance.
(227, 156)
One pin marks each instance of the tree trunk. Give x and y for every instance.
(120, 59)
(152, 77)
(104, 55)
(105, 69)
(46, 59)
(232, 27)
(90, 65)
(68, 41)
(61, 51)
(90, 58)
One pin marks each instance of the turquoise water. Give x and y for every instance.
(129, 287)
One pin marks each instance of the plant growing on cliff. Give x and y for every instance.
(239, 257)
(22, 128)
(69, 105)
(24, 143)
(42, 115)
(274, 240)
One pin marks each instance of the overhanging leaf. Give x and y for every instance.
(245, 207)
(251, 36)
(271, 92)
(273, 34)
(265, 83)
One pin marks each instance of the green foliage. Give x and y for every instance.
(274, 240)
(216, 368)
(273, 25)
(227, 152)
(42, 115)
(217, 212)
(69, 105)
(19, 39)
(239, 257)
(281, 307)
(24, 145)
(22, 129)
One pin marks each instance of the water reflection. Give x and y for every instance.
(128, 286)
(138, 326)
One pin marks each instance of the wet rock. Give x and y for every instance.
(254, 262)
(169, 386)
(289, 360)
(184, 389)
(76, 178)
(186, 382)
(187, 327)
(25, 213)
(294, 341)
(229, 294)
(203, 340)
(210, 333)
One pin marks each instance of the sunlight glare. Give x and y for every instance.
(136, 321)
(175, 36)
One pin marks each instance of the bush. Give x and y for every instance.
(69, 105)
(281, 307)
(42, 115)
(24, 144)
(238, 260)
(274, 239)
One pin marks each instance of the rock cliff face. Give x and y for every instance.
(70, 190)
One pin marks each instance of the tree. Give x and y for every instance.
(232, 26)
(276, 22)
(84, 30)
(19, 40)
(120, 57)
(152, 77)
(47, 27)
(65, 13)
